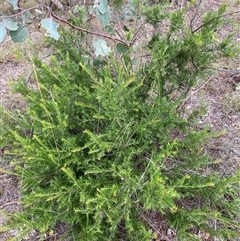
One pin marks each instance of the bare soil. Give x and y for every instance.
(220, 94)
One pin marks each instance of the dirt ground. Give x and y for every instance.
(220, 93)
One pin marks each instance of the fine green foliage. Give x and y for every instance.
(99, 147)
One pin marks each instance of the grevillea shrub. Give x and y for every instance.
(98, 148)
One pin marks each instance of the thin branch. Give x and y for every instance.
(120, 34)
(106, 36)
(124, 65)
(212, 19)
(232, 72)
(195, 15)
(10, 203)
(88, 31)
(21, 12)
(119, 25)
(135, 35)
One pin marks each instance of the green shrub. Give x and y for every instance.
(98, 148)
